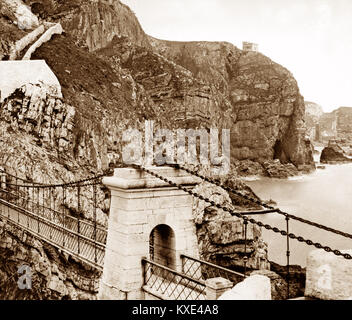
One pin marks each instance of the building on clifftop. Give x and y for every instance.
(249, 46)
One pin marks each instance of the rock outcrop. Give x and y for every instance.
(54, 275)
(221, 236)
(333, 153)
(92, 24)
(19, 13)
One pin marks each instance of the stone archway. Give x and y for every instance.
(144, 208)
(162, 246)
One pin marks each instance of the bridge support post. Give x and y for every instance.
(216, 287)
(139, 203)
(328, 276)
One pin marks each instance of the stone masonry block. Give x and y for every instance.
(255, 287)
(129, 217)
(328, 277)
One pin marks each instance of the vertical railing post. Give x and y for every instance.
(27, 204)
(2, 178)
(51, 212)
(43, 203)
(17, 201)
(78, 217)
(95, 221)
(63, 214)
(245, 222)
(288, 256)
(38, 206)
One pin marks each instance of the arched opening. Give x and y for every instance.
(279, 152)
(162, 247)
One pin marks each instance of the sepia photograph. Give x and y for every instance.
(163, 150)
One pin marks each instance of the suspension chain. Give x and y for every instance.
(82, 182)
(258, 202)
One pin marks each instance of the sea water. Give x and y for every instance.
(324, 196)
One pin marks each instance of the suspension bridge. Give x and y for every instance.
(65, 216)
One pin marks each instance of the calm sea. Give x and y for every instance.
(324, 196)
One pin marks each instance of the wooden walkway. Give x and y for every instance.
(87, 245)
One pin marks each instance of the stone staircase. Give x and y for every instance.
(34, 40)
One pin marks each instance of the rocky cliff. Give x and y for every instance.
(331, 125)
(312, 116)
(256, 98)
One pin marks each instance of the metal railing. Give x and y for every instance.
(43, 211)
(202, 270)
(69, 241)
(171, 284)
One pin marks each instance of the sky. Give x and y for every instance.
(311, 38)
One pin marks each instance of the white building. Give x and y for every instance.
(249, 46)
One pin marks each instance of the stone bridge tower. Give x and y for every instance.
(148, 218)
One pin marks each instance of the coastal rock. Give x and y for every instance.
(278, 279)
(275, 169)
(221, 236)
(333, 153)
(253, 96)
(248, 168)
(92, 24)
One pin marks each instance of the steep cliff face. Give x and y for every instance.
(312, 115)
(92, 23)
(256, 98)
(222, 237)
(203, 83)
(331, 125)
(344, 123)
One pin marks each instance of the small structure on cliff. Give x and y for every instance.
(14, 74)
(249, 46)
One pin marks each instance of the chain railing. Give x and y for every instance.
(170, 284)
(264, 205)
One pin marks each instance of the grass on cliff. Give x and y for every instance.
(87, 81)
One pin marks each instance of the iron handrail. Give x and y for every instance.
(145, 261)
(213, 265)
(47, 221)
(59, 214)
